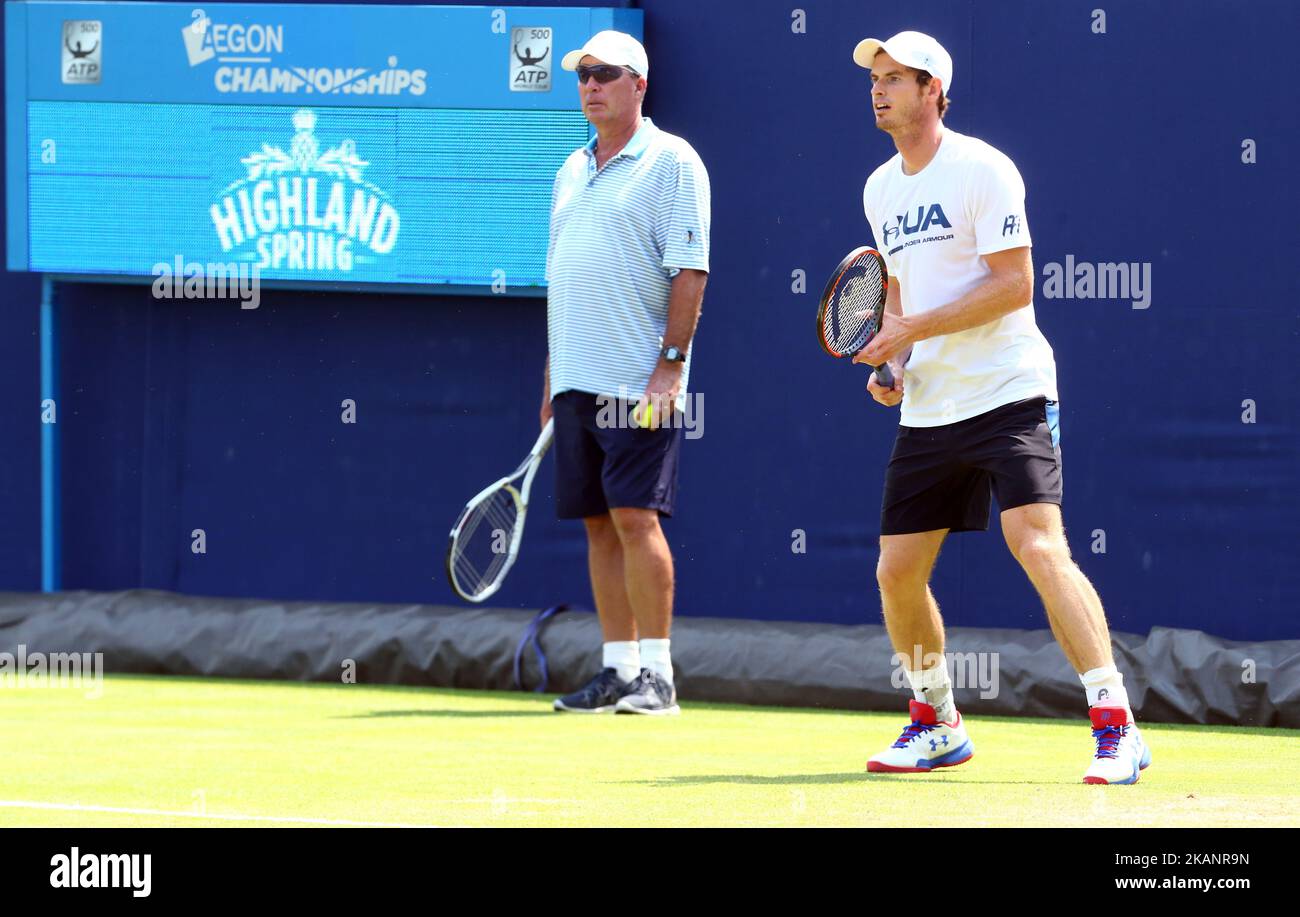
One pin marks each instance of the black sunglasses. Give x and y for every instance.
(604, 73)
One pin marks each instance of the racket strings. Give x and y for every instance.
(855, 311)
(481, 551)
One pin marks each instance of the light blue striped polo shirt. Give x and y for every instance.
(618, 237)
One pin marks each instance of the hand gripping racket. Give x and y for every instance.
(852, 307)
(485, 540)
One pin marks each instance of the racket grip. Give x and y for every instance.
(884, 376)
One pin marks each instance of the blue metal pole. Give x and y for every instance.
(51, 491)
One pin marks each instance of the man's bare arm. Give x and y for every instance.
(685, 301)
(1009, 287)
(545, 413)
(894, 309)
(892, 395)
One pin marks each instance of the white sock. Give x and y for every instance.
(624, 657)
(656, 658)
(1105, 688)
(933, 687)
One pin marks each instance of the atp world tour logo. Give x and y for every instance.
(306, 210)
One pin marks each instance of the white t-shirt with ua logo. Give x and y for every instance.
(933, 227)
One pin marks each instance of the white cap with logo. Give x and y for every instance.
(610, 47)
(911, 49)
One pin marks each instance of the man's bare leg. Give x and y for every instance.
(912, 615)
(903, 573)
(608, 586)
(619, 649)
(647, 571)
(937, 737)
(648, 574)
(1036, 537)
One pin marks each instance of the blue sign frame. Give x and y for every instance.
(391, 147)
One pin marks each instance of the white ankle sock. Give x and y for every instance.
(1105, 688)
(624, 656)
(933, 687)
(655, 656)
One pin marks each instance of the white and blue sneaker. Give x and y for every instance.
(1121, 754)
(925, 745)
(649, 693)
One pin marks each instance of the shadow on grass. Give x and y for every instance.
(948, 778)
(835, 778)
(753, 779)
(459, 714)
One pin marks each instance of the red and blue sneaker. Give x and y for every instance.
(925, 745)
(1121, 754)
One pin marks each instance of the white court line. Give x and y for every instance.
(276, 819)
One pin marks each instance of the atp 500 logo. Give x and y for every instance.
(306, 210)
(83, 50)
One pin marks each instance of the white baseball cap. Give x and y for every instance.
(610, 47)
(911, 49)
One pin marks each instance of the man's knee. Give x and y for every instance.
(1036, 537)
(901, 572)
(601, 532)
(635, 525)
(1040, 552)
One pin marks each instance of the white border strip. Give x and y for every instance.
(273, 819)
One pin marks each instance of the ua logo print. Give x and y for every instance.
(910, 223)
(923, 219)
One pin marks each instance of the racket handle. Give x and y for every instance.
(884, 376)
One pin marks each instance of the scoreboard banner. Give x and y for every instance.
(403, 146)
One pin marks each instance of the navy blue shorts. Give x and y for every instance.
(600, 464)
(943, 477)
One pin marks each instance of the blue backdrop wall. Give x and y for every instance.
(197, 415)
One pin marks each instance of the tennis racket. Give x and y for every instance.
(485, 540)
(852, 307)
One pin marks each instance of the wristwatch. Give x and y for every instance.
(673, 355)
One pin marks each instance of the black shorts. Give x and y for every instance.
(942, 477)
(601, 461)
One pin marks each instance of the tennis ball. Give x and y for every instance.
(646, 419)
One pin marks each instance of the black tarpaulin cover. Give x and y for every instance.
(1176, 676)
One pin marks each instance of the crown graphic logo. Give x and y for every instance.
(304, 156)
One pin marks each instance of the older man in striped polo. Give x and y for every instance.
(627, 263)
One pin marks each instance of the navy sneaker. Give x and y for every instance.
(649, 693)
(597, 696)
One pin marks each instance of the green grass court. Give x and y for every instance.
(209, 752)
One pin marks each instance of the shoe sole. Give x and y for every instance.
(559, 707)
(879, 767)
(1137, 775)
(674, 710)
